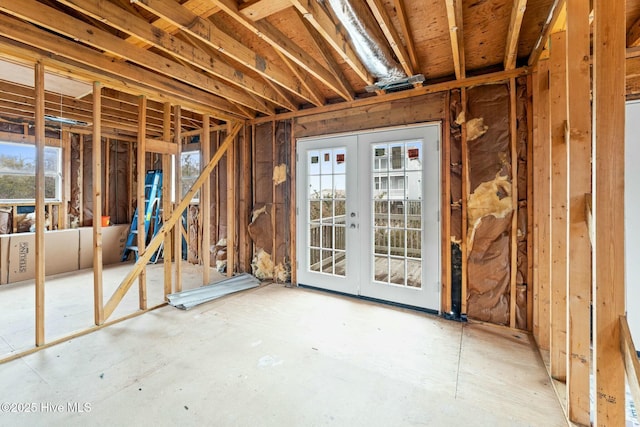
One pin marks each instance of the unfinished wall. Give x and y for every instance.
(455, 200)
(490, 206)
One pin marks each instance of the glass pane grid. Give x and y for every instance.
(326, 198)
(397, 213)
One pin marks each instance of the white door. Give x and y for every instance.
(368, 215)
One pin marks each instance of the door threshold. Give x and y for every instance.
(370, 299)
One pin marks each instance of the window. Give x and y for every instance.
(18, 173)
(190, 165)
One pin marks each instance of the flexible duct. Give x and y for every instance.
(372, 50)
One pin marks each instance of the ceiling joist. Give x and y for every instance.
(285, 46)
(454, 18)
(406, 33)
(511, 53)
(259, 9)
(207, 32)
(80, 62)
(325, 26)
(389, 30)
(62, 23)
(209, 62)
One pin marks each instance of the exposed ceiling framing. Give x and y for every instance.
(252, 59)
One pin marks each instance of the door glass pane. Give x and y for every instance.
(327, 178)
(397, 196)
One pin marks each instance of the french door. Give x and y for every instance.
(368, 214)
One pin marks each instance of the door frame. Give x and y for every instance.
(301, 222)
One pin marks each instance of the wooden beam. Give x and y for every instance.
(331, 33)
(631, 362)
(231, 207)
(62, 23)
(85, 63)
(497, 77)
(96, 159)
(39, 209)
(513, 125)
(445, 207)
(174, 219)
(283, 44)
(259, 9)
(201, 8)
(530, 207)
(386, 25)
(105, 190)
(293, 218)
(166, 200)
(517, 15)
(177, 170)
(454, 17)
(464, 203)
(208, 61)
(406, 33)
(302, 76)
(162, 147)
(140, 195)
(66, 177)
(558, 112)
(554, 12)
(578, 52)
(211, 35)
(244, 205)
(608, 204)
(542, 205)
(205, 203)
(633, 35)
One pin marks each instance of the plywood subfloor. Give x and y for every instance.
(69, 302)
(276, 356)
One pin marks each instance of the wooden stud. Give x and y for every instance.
(244, 241)
(175, 217)
(445, 207)
(216, 186)
(465, 196)
(107, 173)
(293, 218)
(558, 113)
(579, 268)
(177, 170)
(231, 211)
(274, 224)
(608, 205)
(40, 197)
(205, 204)
(513, 124)
(140, 194)
(530, 202)
(66, 178)
(166, 199)
(96, 154)
(542, 184)
(81, 182)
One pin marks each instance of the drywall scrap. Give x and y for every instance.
(490, 207)
(6, 221)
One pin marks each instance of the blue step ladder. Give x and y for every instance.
(152, 216)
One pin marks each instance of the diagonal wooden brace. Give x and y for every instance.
(144, 258)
